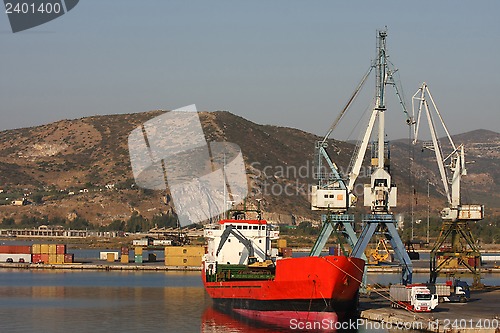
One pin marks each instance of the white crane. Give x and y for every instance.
(455, 161)
(457, 215)
(335, 194)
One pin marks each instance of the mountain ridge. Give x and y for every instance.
(69, 156)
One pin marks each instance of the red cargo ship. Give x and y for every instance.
(243, 274)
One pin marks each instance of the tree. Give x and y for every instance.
(116, 225)
(8, 222)
(37, 198)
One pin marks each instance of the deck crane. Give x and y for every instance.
(456, 216)
(335, 193)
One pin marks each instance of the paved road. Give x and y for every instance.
(481, 314)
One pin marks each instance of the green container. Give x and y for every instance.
(138, 259)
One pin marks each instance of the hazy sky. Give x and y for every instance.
(290, 63)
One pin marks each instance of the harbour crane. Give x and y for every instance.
(455, 217)
(335, 193)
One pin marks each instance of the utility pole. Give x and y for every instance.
(428, 208)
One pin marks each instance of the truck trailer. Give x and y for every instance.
(451, 291)
(413, 297)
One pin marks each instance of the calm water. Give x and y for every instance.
(100, 301)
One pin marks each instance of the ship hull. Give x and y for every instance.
(300, 285)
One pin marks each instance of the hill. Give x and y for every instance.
(81, 168)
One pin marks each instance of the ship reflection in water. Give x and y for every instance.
(217, 321)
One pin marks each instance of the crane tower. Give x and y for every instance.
(334, 192)
(455, 247)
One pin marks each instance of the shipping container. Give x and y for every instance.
(21, 249)
(193, 251)
(333, 251)
(60, 258)
(138, 259)
(441, 289)
(400, 292)
(104, 255)
(69, 258)
(45, 257)
(36, 258)
(52, 249)
(5, 256)
(183, 261)
(124, 259)
(451, 263)
(281, 243)
(110, 257)
(138, 250)
(125, 250)
(36, 249)
(52, 258)
(15, 257)
(286, 252)
(44, 248)
(60, 249)
(15, 249)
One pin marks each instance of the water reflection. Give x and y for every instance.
(98, 301)
(214, 321)
(72, 303)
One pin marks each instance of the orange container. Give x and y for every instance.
(21, 249)
(60, 249)
(15, 249)
(44, 258)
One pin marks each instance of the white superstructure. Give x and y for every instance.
(234, 252)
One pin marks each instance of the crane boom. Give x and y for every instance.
(455, 227)
(348, 104)
(231, 230)
(457, 159)
(423, 105)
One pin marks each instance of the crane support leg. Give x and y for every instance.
(386, 221)
(342, 225)
(332, 223)
(364, 239)
(463, 252)
(324, 235)
(400, 253)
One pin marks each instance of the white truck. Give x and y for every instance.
(413, 297)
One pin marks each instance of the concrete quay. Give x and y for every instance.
(105, 266)
(480, 314)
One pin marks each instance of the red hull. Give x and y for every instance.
(311, 284)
